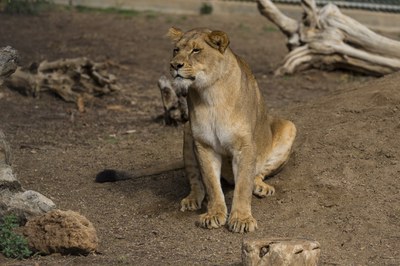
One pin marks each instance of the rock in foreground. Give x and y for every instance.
(277, 251)
(65, 232)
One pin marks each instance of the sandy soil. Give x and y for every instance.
(341, 186)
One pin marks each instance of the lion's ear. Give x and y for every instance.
(219, 40)
(174, 34)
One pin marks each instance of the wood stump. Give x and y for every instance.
(280, 251)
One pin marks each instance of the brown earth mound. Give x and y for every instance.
(346, 165)
(65, 232)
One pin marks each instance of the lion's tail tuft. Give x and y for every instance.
(109, 175)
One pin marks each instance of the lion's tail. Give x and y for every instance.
(110, 175)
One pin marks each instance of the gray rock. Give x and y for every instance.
(8, 179)
(6, 175)
(25, 204)
(35, 202)
(5, 151)
(8, 62)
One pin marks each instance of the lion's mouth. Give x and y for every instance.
(178, 76)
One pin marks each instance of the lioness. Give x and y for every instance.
(230, 133)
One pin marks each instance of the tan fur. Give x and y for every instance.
(230, 133)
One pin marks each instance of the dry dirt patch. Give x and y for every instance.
(340, 187)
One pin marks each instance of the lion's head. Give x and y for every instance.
(198, 57)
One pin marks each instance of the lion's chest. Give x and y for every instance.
(213, 130)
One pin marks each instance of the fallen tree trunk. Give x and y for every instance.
(74, 80)
(327, 39)
(174, 102)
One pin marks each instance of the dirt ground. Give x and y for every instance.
(341, 186)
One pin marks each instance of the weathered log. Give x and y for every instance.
(174, 102)
(279, 252)
(327, 39)
(74, 80)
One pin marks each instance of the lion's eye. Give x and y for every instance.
(176, 50)
(195, 51)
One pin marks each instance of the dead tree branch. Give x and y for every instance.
(325, 38)
(74, 80)
(174, 102)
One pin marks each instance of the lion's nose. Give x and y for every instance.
(176, 65)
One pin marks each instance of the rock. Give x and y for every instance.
(279, 252)
(8, 62)
(24, 204)
(65, 232)
(8, 179)
(5, 151)
(33, 202)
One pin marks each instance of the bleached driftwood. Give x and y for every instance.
(325, 38)
(74, 80)
(174, 102)
(279, 251)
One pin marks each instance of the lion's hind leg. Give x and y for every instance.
(193, 201)
(283, 135)
(197, 193)
(262, 189)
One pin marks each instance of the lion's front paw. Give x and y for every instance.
(262, 189)
(190, 204)
(241, 224)
(212, 220)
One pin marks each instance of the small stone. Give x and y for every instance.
(5, 151)
(7, 178)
